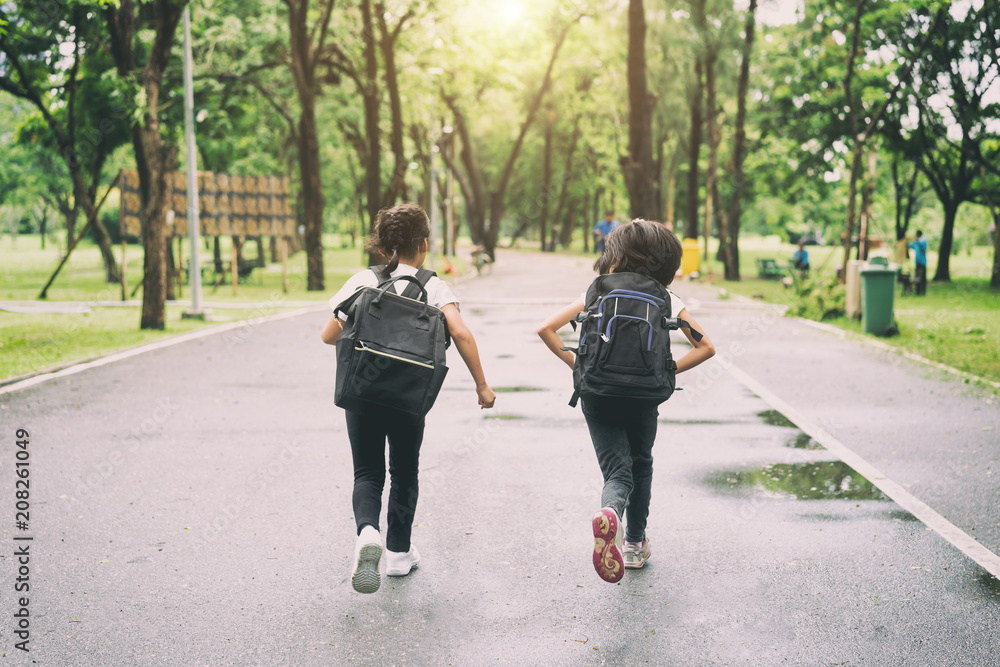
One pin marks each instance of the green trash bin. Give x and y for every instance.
(878, 291)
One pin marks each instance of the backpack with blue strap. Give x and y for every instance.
(624, 349)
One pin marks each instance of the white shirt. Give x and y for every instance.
(676, 305)
(439, 294)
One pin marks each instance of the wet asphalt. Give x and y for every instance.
(191, 506)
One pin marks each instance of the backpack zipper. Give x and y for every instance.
(365, 348)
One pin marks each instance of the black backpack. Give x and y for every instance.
(624, 347)
(391, 354)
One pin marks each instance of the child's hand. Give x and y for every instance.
(486, 397)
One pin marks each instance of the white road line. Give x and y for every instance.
(957, 537)
(159, 345)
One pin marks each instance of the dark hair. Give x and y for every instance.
(609, 214)
(642, 247)
(398, 232)
(919, 233)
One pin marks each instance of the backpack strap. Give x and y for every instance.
(678, 323)
(423, 276)
(381, 275)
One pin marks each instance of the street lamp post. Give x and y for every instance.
(194, 262)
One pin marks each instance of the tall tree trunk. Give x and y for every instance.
(312, 197)
(856, 135)
(712, 126)
(639, 175)
(867, 194)
(906, 196)
(387, 44)
(852, 197)
(670, 196)
(101, 237)
(543, 218)
(995, 212)
(171, 267)
(943, 272)
(70, 213)
(694, 151)
(566, 233)
(42, 224)
(658, 179)
(732, 235)
(217, 254)
(155, 162)
(373, 174)
(471, 185)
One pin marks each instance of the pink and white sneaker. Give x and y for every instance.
(608, 546)
(636, 553)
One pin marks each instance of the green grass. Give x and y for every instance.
(32, 342)
(957, 323)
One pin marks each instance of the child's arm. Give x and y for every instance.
(467, 347)
(547, 331)
(331, 332)
(702, 350)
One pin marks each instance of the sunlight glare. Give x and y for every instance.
(511, 12)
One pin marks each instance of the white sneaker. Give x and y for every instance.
(399, 564)
(367, 554)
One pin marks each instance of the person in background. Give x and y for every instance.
(602, 229)
(919, 248)
(800, 260)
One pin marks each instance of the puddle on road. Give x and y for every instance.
(775, 418)
(509, 390)
(990, 583)
(826, 480)
(803, 441)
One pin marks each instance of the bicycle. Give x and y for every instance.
(482, 261)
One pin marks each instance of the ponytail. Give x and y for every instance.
(393, 263)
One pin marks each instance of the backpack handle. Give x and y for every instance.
(389, 283)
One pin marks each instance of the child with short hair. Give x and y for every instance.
(400, 233)
(623, 429)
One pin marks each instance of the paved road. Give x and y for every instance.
(191, 506)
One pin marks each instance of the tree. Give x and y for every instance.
(471, 182)
(155, 158)
(638, 165)
(83, 123)
(732, 224)
(306, 45)
(695, 100)
(948, 69)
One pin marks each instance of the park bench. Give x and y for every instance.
(769, 269)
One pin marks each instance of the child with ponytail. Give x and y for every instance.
(401, 234)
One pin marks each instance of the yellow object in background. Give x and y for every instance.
(691, 259)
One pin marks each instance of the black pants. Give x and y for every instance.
(623, 435)
(921, 279)
(368, 434)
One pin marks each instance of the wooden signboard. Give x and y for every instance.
(228, 205)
